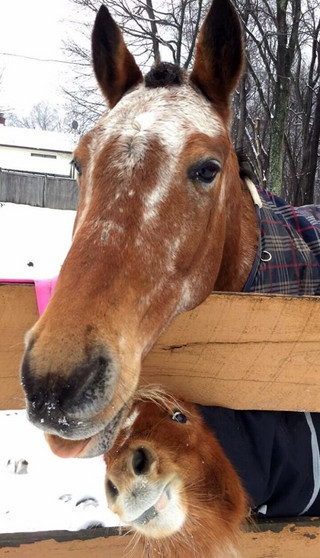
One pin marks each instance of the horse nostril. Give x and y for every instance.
(141, 461)
(90, 383)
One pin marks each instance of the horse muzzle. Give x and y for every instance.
(77, 408)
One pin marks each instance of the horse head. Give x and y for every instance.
(169, 479)
(163, 220)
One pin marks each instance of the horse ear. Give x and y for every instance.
(115, 68)
(219, 55)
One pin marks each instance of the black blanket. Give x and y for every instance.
(276, 454)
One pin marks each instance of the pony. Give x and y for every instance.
(166, 216)
(188, 478)
(168, 477)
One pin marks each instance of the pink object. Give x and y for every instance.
(44, 289)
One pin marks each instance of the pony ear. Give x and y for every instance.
(219, 55)
(115, 68)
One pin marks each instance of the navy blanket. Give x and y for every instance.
(276, 455)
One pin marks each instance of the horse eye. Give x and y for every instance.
(76, 165)
(204, 172)
(179, 417)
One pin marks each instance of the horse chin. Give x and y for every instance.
(95, 445)
(165, 517)
(154, 508)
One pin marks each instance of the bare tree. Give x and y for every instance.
(42, 116)
(153, 31)
(277, 104)
(279, 94)
(45, 117)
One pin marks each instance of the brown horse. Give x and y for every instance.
(164, 219)
(168, 477)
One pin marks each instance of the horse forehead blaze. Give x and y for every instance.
(144, 123)
(169, 113)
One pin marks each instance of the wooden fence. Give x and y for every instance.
(39, 190)
(242, 351)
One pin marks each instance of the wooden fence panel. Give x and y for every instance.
(38, 190)
(270, 539)
(242, 351)
(239, 351)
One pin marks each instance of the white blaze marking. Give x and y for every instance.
(222, 194)
(153, 200)
(128, 423)
(88, 190)
(168, 115)
(110, 226)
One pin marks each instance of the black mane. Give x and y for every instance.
(164, 74)
(245, 167)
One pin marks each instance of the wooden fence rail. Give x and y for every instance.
(235, 350)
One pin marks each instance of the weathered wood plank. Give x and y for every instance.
(54, 546)
(39, 190)
(244, 352)
(18, 312)
(235, 350)
(271, 539)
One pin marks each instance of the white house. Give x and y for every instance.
(36, 151)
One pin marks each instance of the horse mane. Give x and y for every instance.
(245, 167)
(160, 397)
(164, 74)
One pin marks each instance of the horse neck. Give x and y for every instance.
(241, 241)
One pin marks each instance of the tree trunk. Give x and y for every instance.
(285, 56)
(154, 30)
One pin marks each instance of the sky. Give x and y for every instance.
(33, 29)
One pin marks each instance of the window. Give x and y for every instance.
(45, 155)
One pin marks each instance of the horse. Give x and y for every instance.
(166, 216)
(168, 477)
(188, 478)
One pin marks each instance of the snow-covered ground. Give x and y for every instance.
(34, 240)
(39, 491)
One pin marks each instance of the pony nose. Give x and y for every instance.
(141, 461)
(90, 383)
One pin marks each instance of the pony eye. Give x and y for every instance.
(204, 172)
(76, 165)
(112, 489)
(179, 417)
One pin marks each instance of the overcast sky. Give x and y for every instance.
(36, 29)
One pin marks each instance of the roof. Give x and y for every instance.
(37, 139)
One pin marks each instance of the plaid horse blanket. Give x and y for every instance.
(276, 453)
(288, 255)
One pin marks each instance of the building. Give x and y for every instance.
(36, 151)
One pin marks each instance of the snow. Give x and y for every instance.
(53, 493)
(35, 241)
(46, 493)
(37, 139)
